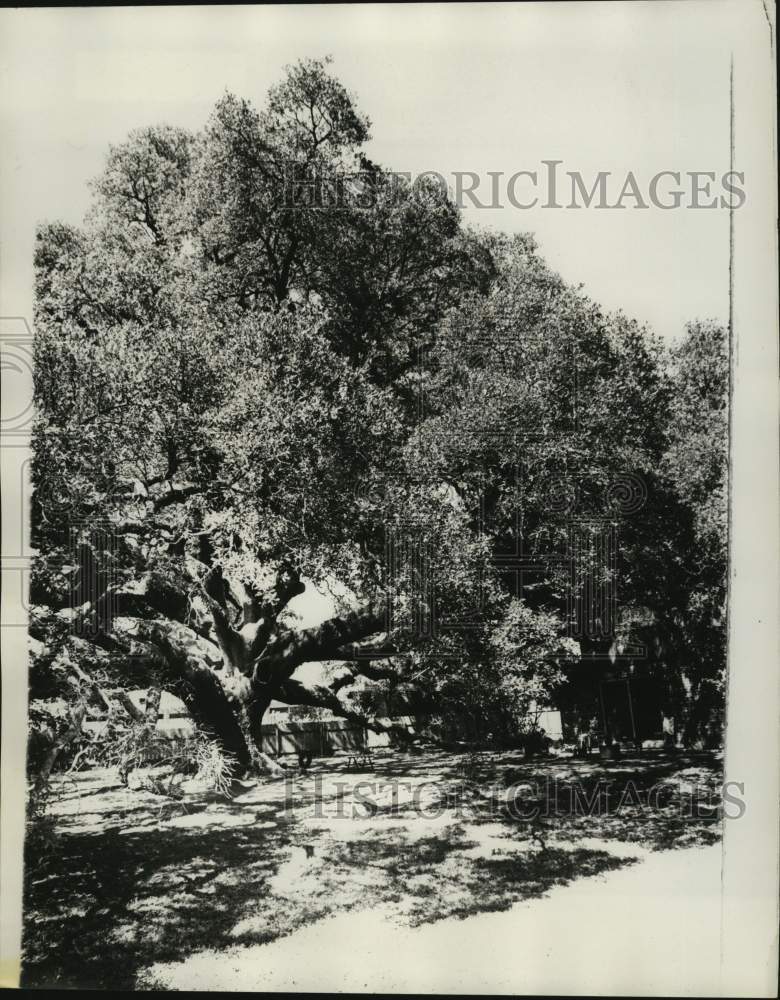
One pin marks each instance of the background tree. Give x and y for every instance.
(697, 462)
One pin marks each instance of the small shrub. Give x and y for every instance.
(143, 746)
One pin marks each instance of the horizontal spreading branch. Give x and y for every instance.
(366, 652)
(175, 496)
(351, 670)
(318, 696)
(281, 657)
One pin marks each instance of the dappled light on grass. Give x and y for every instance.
(135, 880)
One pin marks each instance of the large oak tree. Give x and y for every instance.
(263, 364)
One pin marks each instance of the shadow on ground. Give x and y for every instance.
(130, 880)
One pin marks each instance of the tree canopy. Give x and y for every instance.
(264, 364)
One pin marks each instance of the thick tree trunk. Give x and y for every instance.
(200, 690)
(213, 711)
(254, 712)
(257, 658)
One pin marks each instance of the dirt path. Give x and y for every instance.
(651, 928)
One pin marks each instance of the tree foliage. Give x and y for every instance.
(265, 364)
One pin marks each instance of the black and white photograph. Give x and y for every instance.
(390, 498)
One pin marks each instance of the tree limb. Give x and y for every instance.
(281, 657)
(175, 496)
(317, 696)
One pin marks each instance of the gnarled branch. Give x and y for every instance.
(281, 657)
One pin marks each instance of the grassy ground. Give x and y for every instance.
(131, 880)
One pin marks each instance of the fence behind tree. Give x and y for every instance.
(319, 738)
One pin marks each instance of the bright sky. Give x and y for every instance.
(616, 87)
